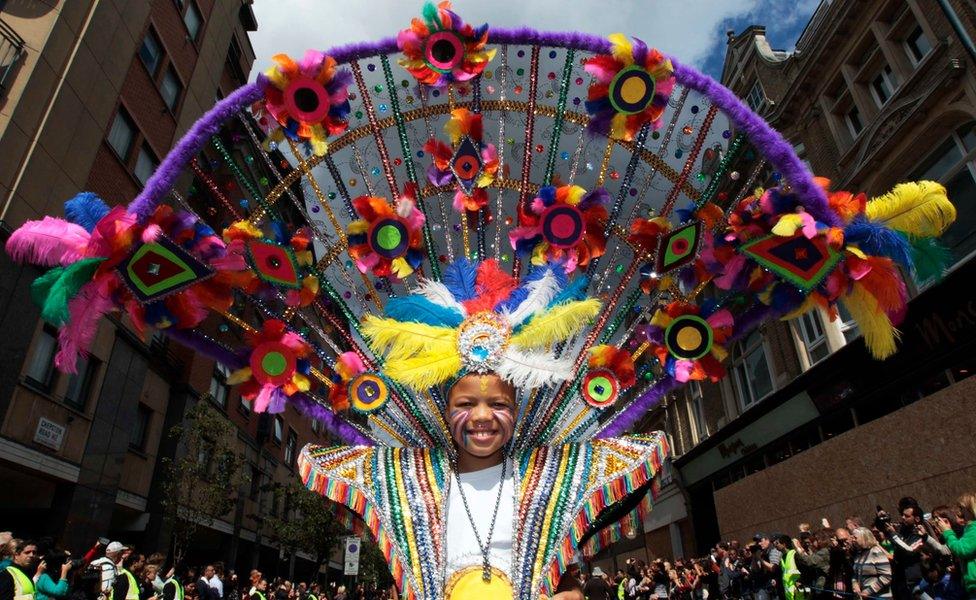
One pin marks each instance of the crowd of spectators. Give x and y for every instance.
(39, 570)
(908, 555)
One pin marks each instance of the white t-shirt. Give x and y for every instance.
(481, 490)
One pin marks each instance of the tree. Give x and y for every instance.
(307, 524)
(372, 564)
(200, 483)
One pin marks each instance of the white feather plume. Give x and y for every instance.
(531, 370)
(438, 293)
(541, 293)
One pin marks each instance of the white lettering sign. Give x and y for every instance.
(49, 434)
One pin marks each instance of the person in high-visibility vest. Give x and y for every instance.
(173, 586)
(791, 572)
(126, 586)
(258, 591)
(16, 581)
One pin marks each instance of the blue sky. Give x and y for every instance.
(692, 30)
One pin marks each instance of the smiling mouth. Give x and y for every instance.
(482, 434)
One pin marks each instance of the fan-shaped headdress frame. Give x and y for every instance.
(777, 150)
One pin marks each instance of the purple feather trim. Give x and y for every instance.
(333, 422)
(630, 415)
(302, 402)
(777, 150)
(189, 146)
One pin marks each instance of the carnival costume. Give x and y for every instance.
(560, 210)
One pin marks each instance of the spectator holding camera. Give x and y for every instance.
(52, 576)
(963, 546)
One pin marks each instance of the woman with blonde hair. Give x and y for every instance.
(872, 569)
(963, 546)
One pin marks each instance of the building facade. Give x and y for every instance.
(92, 94)
(807, 425)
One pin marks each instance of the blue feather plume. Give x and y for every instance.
(522, 291)
(459, 278)
(575, 290)
(418, 309)
(85, 209)
(878, 240)
(280, 232)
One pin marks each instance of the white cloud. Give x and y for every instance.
(687, 29)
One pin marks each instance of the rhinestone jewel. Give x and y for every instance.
(481, 340)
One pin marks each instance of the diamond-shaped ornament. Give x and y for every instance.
(798, 259)
(466, 164)
(160, 268)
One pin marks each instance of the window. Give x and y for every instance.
(40, 365)
(853, 120)
(79, 384)
(883, 86)
(809, 326)
(756, 99)
(245, 406)
(218, 385)
(698, 411)
(290, 447)
(192, 19)
(171, 88)
(146, 164)
(917, 45)
(848, 326)
(750, 369)
(122, 134)
(952, 164)
(140, 428)
(151, 52)
(279, 426)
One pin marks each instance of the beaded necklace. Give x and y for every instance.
(484, 548)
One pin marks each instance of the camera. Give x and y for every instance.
(882, 520)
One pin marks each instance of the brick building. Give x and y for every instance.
(92, 94)
(807, 424)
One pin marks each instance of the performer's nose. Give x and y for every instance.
(481, 413)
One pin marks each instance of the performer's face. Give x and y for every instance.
(481, 414)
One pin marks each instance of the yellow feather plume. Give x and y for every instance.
(404, 339)
(556, 325)
(623, 48)
(425, 370)
(880, 336)
(918, 208)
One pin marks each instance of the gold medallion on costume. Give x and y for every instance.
(469, 584)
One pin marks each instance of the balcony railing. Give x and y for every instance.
(11, 49)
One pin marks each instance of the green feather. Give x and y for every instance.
(931, 259)
(432, 16)
(53, 290)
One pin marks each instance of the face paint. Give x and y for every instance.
(506, 422)
(458, 422)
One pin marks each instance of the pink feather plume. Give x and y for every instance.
(48, 242)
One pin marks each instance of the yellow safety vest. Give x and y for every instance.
(259, 593)
(179, 587)
(133, 592)
(23, 585)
